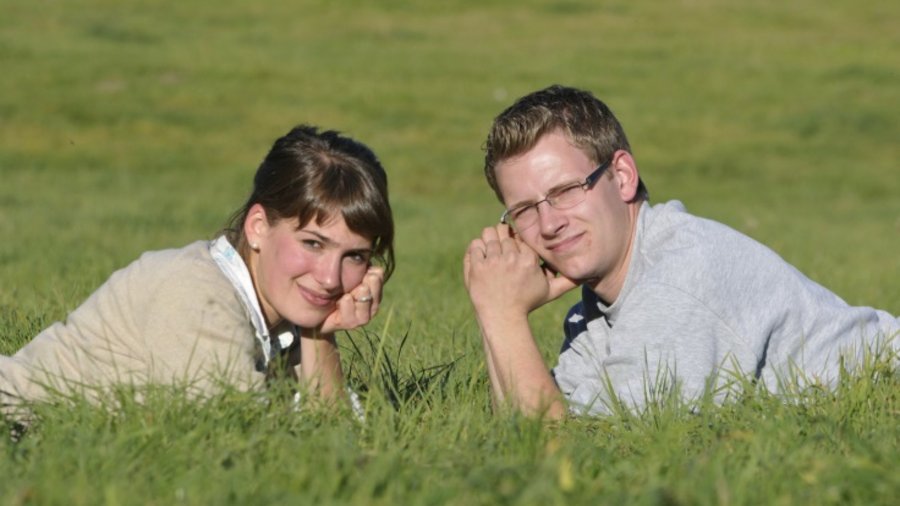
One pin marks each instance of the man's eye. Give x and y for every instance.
(568, 190)
(521, 211)
(312, 244)
(566, 195)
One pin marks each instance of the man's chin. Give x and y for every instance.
(571, 271)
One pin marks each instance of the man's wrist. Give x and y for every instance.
(502, 322)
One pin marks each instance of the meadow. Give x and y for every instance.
(128, 126)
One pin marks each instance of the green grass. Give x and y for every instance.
(127, 126)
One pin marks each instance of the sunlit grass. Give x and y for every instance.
(129, 126)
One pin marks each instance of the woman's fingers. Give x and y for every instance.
(374, 280)
(363, 302)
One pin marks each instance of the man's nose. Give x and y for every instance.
(550, 219)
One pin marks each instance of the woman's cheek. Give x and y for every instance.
(353, 276)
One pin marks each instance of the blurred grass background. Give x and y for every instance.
(134, 125)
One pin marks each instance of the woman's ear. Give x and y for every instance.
(624, 170)
(256, 226)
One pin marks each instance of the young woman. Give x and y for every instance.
(306, 256)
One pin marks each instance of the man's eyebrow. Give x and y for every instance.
(522, 203)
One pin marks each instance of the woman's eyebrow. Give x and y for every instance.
(322, 237)
(332, 243)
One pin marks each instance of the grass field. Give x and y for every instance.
(132, 125)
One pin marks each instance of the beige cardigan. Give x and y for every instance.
(171, 317)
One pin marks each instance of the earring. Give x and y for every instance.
(254, 246)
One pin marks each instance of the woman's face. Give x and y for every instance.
(300, 273)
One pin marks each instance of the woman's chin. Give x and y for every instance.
(310, 319)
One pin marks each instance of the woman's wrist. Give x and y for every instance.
(316, 334)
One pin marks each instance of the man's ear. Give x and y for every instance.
(256, 225)
(625, 172)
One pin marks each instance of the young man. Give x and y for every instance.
(668, 298)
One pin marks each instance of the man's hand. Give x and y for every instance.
(501, 271)
(506, 281)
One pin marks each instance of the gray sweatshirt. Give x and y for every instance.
(704, 303)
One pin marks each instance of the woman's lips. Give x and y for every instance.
(317, 299)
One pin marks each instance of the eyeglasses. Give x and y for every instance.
(564, 197)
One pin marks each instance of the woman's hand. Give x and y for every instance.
(358, 306)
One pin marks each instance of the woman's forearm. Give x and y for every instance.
(320, 366)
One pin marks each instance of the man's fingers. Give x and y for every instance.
(492, 248)
(504, 230)
(476, 248)
(559, 284)
(499, 240)
(509, 245)
(489, 234)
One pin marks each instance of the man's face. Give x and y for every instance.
(589, 242)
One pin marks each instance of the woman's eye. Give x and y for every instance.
(358, 258)
(312, 244)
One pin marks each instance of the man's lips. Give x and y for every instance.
(564, 245)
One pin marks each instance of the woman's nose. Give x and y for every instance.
(328, 272)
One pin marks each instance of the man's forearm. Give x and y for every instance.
(506, 281)
(497, 393)
(518, 373)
